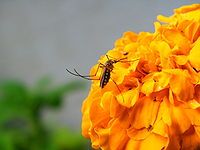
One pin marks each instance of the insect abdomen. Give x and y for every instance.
(105, 77)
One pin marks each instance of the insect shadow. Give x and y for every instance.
(105, 75)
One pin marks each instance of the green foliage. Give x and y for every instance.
(21, 126)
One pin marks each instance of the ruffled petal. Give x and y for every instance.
(195, 55)
(154, 141)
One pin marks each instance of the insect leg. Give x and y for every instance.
(117, 60)
(99, 66)
(85, 77)
(107, 57)
(122, 61)
(118, 88)
(88, 77)
(72, 72)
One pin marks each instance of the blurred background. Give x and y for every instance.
(40, 102)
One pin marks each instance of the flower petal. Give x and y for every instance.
(195, 55)
(144, 113)
(154, 142)
(181, 122)
(190, 140)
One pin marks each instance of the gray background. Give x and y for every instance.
(43, 37)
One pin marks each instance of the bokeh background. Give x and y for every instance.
(39, 101)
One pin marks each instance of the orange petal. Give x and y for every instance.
(197, 130)
(138, 134)
(98, 116)
(197, 93)
(180, 84)
(190, 140)
(181, 122)
(144, 113)
(176, 38)
(114, 136)
(86, 122)
(118, 136)
(103, 138)
(194, 116)
(191, 29)
(165, 111)
(174, 142)
(115, 108)
(154, 142)
(110, 104)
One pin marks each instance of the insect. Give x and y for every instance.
(107, 68)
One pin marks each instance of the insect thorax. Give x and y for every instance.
(109, 65)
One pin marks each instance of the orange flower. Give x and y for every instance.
(152, 100)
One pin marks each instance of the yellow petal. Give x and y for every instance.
(161, 80)
(161, 128)
(130, 95)
(157, 25)
(194, 104)
(180, 59)
(165, 19)
(187, 8)
(148, 87)
(166, 111)
(129, 98)
(194, 56)
(164, 50)
(131, 48)
(192, 15)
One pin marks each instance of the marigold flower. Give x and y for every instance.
(152, 102)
